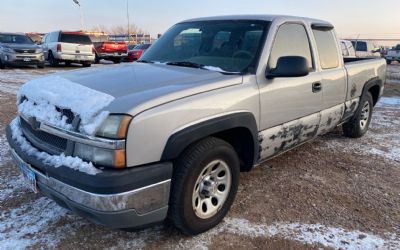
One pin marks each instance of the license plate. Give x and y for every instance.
(27, 59)
(28, 175)
(116, 54)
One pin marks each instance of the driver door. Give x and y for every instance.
(290, 107)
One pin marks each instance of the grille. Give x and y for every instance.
(25, 51)
(42, 140)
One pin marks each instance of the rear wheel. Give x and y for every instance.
(388, 61)
(86, 65)
(2, 66)
(67, 63)
(53, 61)
(204, 186)
(359, 124)
(40, 66)
(96, 59)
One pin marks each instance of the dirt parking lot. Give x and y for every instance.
(333, 192)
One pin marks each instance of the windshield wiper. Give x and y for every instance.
(187, 64)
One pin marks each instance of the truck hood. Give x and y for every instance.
(20, 46)
(138, 86)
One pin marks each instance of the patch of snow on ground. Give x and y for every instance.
(19, 228)
(336, 238)
(383, 137)
(57, 91)
(54, 160)
(9, 88)
(4, 150)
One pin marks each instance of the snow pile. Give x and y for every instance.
(54, 160)
(47, 93)
(218, 69)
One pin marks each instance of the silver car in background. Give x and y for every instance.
(19, 50)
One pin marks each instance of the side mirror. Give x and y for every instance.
(289, 66)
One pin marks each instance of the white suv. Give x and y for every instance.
(68, 47)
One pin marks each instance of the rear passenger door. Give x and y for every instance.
(333, 78)
(289, 106)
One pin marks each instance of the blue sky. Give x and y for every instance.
(349, 16)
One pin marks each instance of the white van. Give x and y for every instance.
(68, 47)
(365, 48)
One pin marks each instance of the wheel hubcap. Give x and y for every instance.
(211, 189)
(365, 113)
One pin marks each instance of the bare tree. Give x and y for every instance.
(119, 29)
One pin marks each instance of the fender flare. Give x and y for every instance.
(376, 81)
(180, 140)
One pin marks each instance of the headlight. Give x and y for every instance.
(100, 156)
(114, 127)
(7, 50)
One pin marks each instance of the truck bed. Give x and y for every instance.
(360, 71)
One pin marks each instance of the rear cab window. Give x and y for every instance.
(75, 38)
(327, 48)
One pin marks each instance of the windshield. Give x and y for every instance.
(18, 39)
(75, 38)
(232, 46)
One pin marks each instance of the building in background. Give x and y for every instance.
(132, 38)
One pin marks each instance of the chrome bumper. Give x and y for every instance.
(142, 200)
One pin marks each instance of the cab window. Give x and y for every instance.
(327, 48)
(291, 40)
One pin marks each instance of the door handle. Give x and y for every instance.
(316, 87)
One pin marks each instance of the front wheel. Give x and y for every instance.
(359, 124)
(204, 186)
(388, 61)
(86, 65)
(2, 65)
(53, 62)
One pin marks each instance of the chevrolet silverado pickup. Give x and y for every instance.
(166, 137)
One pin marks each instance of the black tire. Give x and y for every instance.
(40, 66)
(388, 62)
(116, 61)
(187, 170)
(53, 62)
(68, 63)
(2, 65)
(86, 65)
(96, 59)
(354, 127)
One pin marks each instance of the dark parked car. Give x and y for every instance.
(137, 52)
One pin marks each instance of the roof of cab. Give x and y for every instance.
(255, 17)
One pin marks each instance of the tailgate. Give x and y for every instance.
(120, 47)
(71, 48)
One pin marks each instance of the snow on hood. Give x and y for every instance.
(44, 95)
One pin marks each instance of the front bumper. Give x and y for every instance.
(21, 59)
(128, 198)
(112, 55)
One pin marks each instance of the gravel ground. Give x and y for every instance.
(333, 192)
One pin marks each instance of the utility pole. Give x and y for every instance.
(80, 12)
(127, 16)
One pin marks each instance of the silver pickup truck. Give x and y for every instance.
(131, 145)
